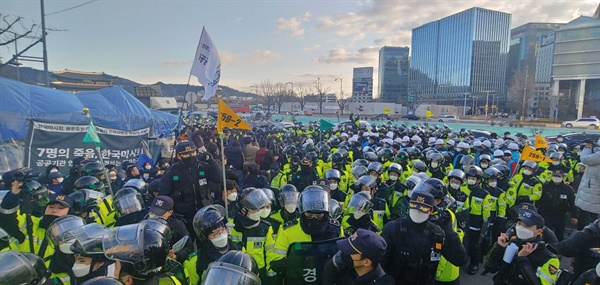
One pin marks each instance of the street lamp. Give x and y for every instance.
(341, 91)
(487, 99)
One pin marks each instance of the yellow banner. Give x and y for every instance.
(229, 119)
(428, 114)
(386, 111)
(529, 153)
(540, 142)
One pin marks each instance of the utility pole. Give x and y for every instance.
(45, 51)
(525, 93)
(465, 105)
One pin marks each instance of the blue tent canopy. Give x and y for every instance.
(110, 107)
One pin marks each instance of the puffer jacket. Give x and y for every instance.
(588, 195)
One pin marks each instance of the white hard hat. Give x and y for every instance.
(451, 142)
(405, 139)
(439, 141)
(390, 134)
(476, 143)
(463, 145)
(487, 143)
(398, 140)
(513, 146)
(431, 140)
(498, 153)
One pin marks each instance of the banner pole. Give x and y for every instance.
(222, 137)
(86, 111)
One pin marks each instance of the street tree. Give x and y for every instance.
(320, 93)
(520, 90)
(300, 94)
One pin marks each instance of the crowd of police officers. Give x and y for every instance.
(387, 205)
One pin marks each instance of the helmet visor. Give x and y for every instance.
(129, 204)
(60, 231)
(360, 204)
(314, 201)
(289, 197)
(224, 273)
(88, 239)
(122, 243)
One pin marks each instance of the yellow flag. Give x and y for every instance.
(428, 114)
(529, 153)
(386, 110)
(229, 119)
(540, 142)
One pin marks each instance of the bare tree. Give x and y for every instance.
(301, 92)
(281, 95)
(12, 29)
(320, 92)
(343, 103)
(267, 90)
(520, 91)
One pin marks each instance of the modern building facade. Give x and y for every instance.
(576, 68)
(525, 43)
(362, 84)
(462, 55)
(393, 74)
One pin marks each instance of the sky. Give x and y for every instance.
(278, 40)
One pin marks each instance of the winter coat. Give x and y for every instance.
(588, 195)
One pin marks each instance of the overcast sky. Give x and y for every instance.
(280, 40)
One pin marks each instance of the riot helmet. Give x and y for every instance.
(59, 232)
(208, 220)
(22, 268)
(127, 201)
(88, 182)
(433, 186)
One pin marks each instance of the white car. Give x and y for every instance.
(589, 123)
(297, 113)
(448, 118)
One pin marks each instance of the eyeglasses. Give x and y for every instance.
(216, 233)
(314, 216)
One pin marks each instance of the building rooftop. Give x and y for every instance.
(81, 75)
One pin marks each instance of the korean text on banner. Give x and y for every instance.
(529, 153)
(207, 65)
(229, 119)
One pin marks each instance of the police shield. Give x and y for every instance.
(306, 261)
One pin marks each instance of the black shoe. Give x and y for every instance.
(473, 269)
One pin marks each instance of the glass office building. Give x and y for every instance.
(393, 74)
(465, 53)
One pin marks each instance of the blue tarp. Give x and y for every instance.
(110, 107)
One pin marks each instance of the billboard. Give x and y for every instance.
(360, 88)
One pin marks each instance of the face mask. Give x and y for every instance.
(113, 178)
(484, 165)
(417, 216)
(458, 149)
(358, 214)
(554, 162)
(232, 197)
(60, 179)
(355, 181)
(304, 168)
(290, 208)
(393, 177)
(264, 213)
(471, 181)
(493, 184)
(333, 186)
(559, 140)
(147, 167)
(524, 233)
(347, 261)
(404, 144)
(220, 241)
(80, 270)
(557, 179)
(53, 170)
(527, 172)
(455, 185)
(255, 216)
(434, 164)
(188, 162)
(66, 247)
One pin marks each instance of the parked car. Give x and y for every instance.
(349, 123)
(573, 139)
(504, 115)
(297, 113)
(448, 118)
(308, 113)
(411, 117)
(481, 133)
(382, 117)
(588, 123)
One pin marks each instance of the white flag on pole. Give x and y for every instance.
(207, 65)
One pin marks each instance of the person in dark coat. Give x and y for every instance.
(162, 207)
(235, 157)
(253, 177)
(357, 262)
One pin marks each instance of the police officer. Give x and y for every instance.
(524, 259)
(314, 224)
(380, 213)
(416, 245)
(460, 193)
(498, 220)
(558, 199)
(360, 215)
(23, 268)
(307, 174)
(393, 190)
(213, 239)
(234, 265)
(90, 261)
(288, 200)
(162, 207)
(250, 231)
(334, 178)
(187, 183)
(358, 261)
(478, 216)
(526, 186)
(129, 207)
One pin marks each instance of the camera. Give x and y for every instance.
(25, 174)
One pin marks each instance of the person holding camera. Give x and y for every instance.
(523, 259)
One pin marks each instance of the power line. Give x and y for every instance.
(74, 7)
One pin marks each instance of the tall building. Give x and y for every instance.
(576, 68)
(393, 74)
(362, 84)
(525, 43)
(462, 54)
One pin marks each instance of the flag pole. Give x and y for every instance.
(86, 112)
(222, 139)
